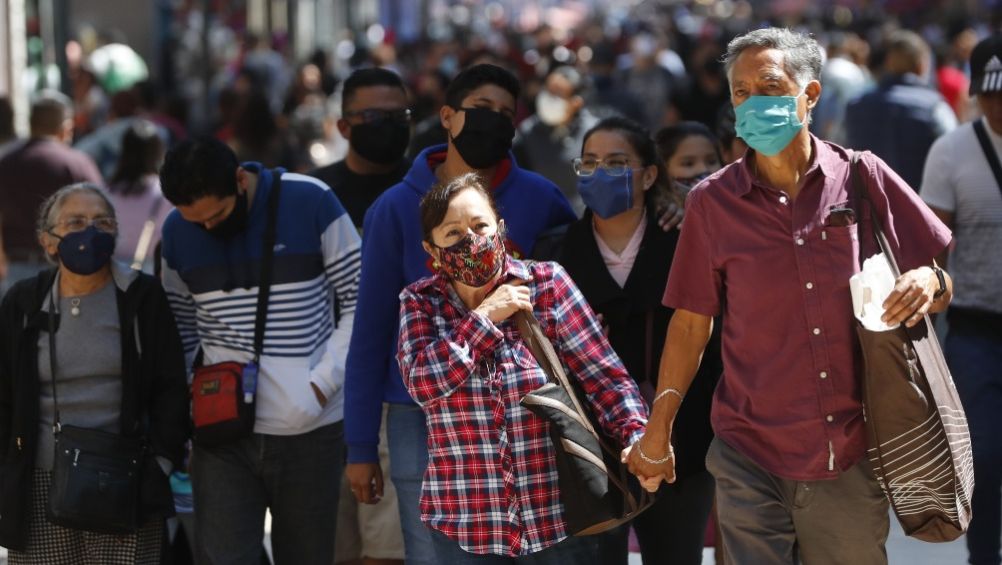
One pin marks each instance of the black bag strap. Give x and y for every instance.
(541, 348)
(267, 256)
(53, 326)
(989, 150)
(862, 195)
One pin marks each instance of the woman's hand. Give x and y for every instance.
(654, 446)
(504, 301)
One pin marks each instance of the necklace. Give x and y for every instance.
(75, 306)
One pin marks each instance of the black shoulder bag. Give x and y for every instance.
(95, 474)
(224, 395)
(989, 151)
(596, 489)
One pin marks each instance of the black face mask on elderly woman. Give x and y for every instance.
(86, 250)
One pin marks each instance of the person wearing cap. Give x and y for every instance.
(961, 187)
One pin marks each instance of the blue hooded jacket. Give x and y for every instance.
(392, 258)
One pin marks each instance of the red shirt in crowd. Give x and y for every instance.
(789, 398)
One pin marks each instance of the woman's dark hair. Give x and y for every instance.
(661, 193)
(435, 204)
(669, 138)
(142, 152)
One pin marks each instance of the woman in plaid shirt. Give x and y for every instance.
(490, 492)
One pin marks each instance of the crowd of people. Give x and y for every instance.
(310, 311)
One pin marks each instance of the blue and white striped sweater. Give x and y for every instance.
(212, 286)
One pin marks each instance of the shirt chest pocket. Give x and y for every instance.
(840, 249)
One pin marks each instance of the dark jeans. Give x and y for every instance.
(975, 360)
(571, 551)
(768, 519)
(670, 531)
(298, 477)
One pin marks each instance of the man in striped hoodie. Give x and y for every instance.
(212, 253)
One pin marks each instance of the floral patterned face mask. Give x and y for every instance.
(475, 259)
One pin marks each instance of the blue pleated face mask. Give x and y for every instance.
(768, 123)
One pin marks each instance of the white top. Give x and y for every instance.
(958, 179)
(621, 264)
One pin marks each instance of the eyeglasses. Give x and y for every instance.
(373, 115)
(80, 223)
(614, 166)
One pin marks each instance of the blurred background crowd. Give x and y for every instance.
(264, 75)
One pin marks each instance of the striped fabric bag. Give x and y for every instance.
(919, 443)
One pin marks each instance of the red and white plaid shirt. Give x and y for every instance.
(491, 482)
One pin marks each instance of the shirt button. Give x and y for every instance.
(824, 374)
(800, 241)
(829, 418)
(809, 286)
(782, 200)
(816, 331)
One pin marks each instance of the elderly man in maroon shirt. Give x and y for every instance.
(767, 243)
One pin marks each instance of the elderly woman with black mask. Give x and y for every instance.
(93, 400)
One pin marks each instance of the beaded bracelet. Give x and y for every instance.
(666, 392)
(665, 459)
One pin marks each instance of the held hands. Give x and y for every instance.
(912, 297)
(504, 301)
(651, 459)
(670, 216)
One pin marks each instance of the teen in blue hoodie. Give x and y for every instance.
(479, 117)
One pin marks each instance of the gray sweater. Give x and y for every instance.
(88, 368)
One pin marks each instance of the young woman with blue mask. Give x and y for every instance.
(620, 257)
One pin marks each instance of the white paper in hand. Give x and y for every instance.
(869, 289)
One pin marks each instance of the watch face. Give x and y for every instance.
(942, 282)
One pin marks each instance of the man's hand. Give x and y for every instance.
(320, 396)
(655, 446)
(366, 480)
(670, 216)
(911, 298)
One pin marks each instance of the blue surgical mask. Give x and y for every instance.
(86, 252)
(768, 123)
(605, 194)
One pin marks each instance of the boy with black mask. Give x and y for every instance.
(479, 119)
(376, 121)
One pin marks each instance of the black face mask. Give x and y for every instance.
(382, 141)
(486, 137)
(235, 223)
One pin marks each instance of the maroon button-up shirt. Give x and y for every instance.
(789, 398)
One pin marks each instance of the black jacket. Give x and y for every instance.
(154, 391)
(638, 323)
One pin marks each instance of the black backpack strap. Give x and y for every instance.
(989, 150)
(267, 257)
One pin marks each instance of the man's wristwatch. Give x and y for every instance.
(942, 283)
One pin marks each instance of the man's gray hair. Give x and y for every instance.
(801, 53)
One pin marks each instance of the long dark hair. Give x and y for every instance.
(661, 193)
(142, 152)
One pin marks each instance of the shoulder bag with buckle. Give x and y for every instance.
(223, 395)
(96, 474)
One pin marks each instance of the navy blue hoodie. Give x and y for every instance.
(392, 258)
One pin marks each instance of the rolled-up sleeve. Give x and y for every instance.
(694, 283)
(591, 360)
